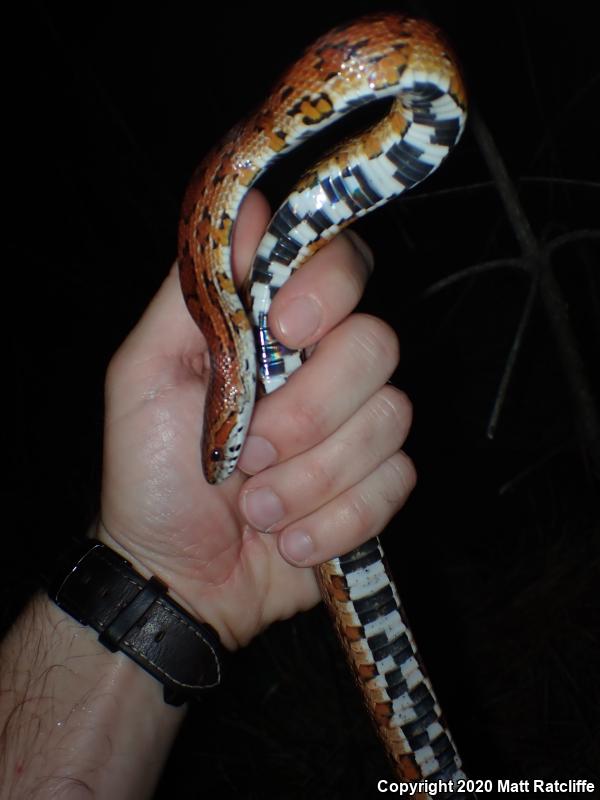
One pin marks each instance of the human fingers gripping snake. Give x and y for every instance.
(375, 57)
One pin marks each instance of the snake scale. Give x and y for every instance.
(379, 56)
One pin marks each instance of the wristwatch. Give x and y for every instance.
(101, 589)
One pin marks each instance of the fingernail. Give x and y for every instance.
(262, 508)
(299, 319)
(298, 546)
(258, 453)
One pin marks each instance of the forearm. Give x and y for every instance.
(76, 721)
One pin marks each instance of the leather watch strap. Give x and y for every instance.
(100, 588)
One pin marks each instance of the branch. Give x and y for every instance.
(512, 360)
(468, 272)
(537, 263)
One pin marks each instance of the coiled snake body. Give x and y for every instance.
(374, 57)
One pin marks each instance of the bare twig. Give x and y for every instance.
(512, 360)
(469, 272)
(578, 183)
(570, 238)
(536, 261)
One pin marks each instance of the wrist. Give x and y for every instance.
(73, 709)
(136, 615)
(143, 563)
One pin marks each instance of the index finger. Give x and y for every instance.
(317, 297)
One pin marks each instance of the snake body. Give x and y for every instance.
(383, 56)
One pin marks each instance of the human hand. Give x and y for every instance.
(325, 447)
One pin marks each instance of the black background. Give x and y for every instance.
(497, 554)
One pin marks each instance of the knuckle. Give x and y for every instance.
(393, 408)
(303, 424)
(360, 511)
(321, 475)
(377, 341)
(402, 475)
(115, 369)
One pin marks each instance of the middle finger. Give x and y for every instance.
(348, 366)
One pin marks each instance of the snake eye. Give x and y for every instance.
(216, 455)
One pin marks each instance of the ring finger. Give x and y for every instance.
(283, 494)
(351, 518)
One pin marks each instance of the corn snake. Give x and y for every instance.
(379, 56)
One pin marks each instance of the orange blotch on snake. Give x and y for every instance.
(222, 234)
(367, 671)
(275, 140)
(240, 320)
(247, 175)
(409, 769)
(225, 282)
(382, 712)
(342, 158)
(353, 634)
(388, 70)
(324, 106)
(339, 587)
(372, 146)
(398, 123)
(315, 110)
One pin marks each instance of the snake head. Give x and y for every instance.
(217, 467)
(217, 462)
(226, 420)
